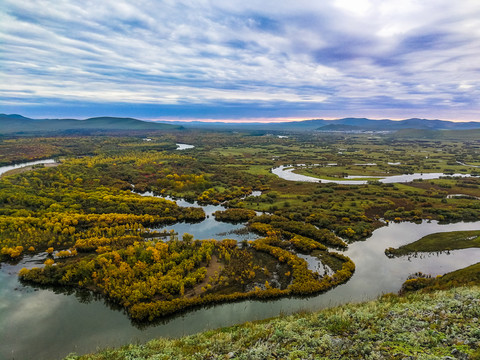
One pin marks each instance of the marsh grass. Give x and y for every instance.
(443, 241)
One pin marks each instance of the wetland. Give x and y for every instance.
(139, 240)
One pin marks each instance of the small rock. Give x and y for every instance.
(337, 342)
(459, 355)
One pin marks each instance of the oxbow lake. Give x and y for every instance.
(49, 324)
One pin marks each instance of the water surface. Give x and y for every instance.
(184, 146)
(4, 169)
(49, 324)
(41, 324)
(208, 228)
(286, 172)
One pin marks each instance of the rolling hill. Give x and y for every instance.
(17, 124)
(345, 124)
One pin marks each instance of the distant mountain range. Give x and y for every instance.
(345, 124)
(368, 124)
(10, 124)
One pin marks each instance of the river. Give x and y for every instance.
(286, 172)
(208, 228)
(4, 169)
(47, 324)
(184, 146)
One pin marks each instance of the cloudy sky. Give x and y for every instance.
(217, 59)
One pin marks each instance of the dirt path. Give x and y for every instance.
(215, 266)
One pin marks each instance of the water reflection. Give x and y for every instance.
(208, 228)
(316, 265)
(40, 324)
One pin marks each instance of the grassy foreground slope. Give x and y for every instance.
(436, 325)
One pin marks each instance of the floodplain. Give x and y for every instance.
(110, 221)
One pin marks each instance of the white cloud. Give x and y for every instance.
(171, 52)
(357, 7)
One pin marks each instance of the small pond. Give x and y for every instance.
(462, 196)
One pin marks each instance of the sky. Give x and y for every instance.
(245, 60)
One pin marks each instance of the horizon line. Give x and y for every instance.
(284, 120)
(250, 120)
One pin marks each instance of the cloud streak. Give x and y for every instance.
(241, 59)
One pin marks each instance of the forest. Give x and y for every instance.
(89, 218)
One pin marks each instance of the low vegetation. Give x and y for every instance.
(468, 276)
(151, 279)
(234, 215)
(444, 241)
(87, 216)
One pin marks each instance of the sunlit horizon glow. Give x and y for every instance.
(276, 120)
(242, 61)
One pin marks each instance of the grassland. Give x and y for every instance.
(462, 277)
(443, 241)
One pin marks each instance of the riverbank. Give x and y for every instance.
(50, 208)
(90, 324)
(419, 325)
(27, 168)
(446, 241)
(296, 173)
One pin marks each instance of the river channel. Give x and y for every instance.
(208, 228)
(4, 169)
(49, 324)
(286, 172)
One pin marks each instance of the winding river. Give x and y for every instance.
(49, 324)
(208, 228)
(4, 169)
(286, 172)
